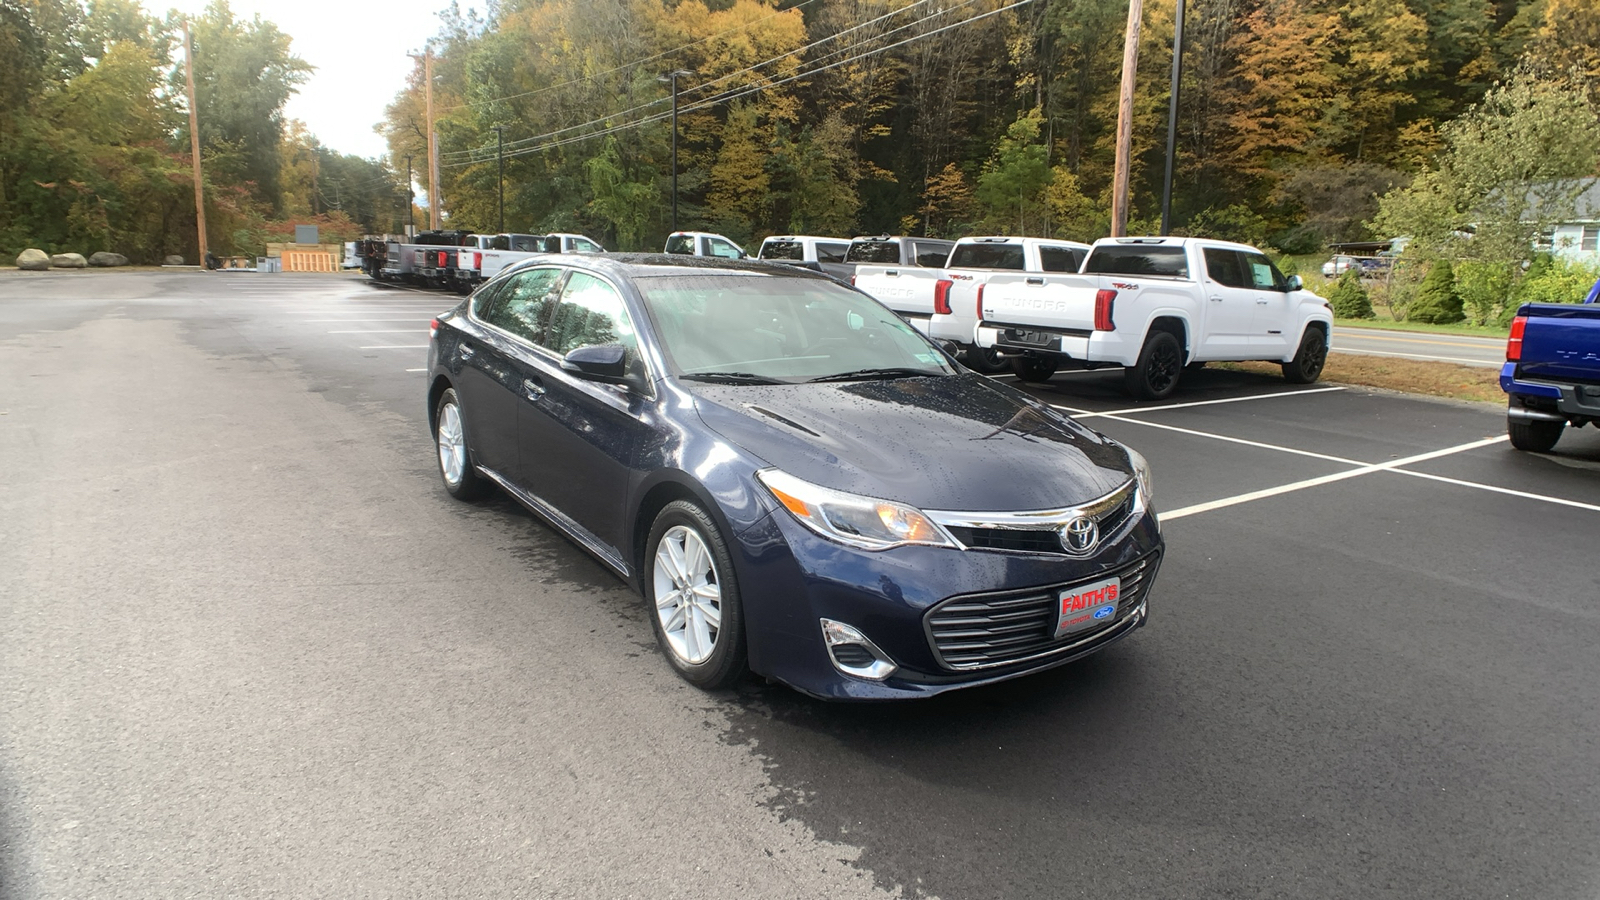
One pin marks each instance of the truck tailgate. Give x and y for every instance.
(1058, 302)
(1561, 343)
(907, 290)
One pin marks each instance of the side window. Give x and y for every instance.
(1223, 267)
(584, 245)
(831, 253)
(930, 255)
(723, 249)
(680, 243)
(1264, 276)
(590, 312)
(500, 242)
(483, 299)
(522, 305)
(1060, 259)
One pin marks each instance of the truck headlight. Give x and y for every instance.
(852, 519)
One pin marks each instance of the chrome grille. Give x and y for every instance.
(1040, 532)
(990, 630)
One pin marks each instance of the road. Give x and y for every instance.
(1460, 349)
(249, 647)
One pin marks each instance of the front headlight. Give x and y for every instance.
(851, 519)
(1141, 471)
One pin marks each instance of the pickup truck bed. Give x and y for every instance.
(1552, 372)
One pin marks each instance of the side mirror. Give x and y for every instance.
(605, 363)
(1295, 284)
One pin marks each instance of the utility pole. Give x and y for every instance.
(1172, 120)
(500, 140)
(194, 143)
(411, 205)
(433, 138)
(673, 76)
(1130, 69)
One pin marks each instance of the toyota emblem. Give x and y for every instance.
(1080, 535)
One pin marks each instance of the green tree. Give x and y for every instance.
(1349, 296)
(1437, 301)
(626, 203)
(1014, 182)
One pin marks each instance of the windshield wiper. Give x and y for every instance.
(869, 374)
(731, 378)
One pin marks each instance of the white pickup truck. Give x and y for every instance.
(495, 252)
(972, 263)
(1154, 305)
(900, 273)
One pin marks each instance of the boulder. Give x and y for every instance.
(68, 261)
(35, 260)
(105, 260)
(173, 260)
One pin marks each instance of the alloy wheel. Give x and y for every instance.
(688, 594)
(452, 444)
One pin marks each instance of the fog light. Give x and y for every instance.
(853, 654)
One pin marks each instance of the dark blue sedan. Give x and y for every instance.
(799, 483)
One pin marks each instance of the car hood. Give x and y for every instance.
(960, 442)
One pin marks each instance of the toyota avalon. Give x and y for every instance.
(800, 484)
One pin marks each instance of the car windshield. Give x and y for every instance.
(766, 328)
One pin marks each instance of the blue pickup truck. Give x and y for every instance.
(1552, 371)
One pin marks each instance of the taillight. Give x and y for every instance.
(433, 329)
(981, 315)
(941, 296)
(1514, 343)
(852, 281)
(1103, 300)
(477, 260)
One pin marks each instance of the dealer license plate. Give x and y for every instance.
(1040, 339)
(1087, 606)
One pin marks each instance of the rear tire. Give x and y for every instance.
(460, 478)
(1534, 436)
(1306, 367)
(693, 597)
(986, 360)
(1155, 376)
(1033, 369)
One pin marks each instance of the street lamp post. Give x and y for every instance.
(1172, 119)
(673, 77)
(411, 205)
(500, 137)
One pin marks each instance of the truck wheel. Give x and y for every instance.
(986, 360)
(1155, 375)
(1306, 367)
(1033, 369)
(1534, 436)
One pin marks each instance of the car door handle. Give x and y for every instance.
(1216, 299)
(892, 273)
(1263, 302)
(465, 351)
(533, 389)
(1036, 280)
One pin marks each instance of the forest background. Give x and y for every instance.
(1302, 122)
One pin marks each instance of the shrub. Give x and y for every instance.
(1555, 280)
(1437, 301)
(1349, 297)
(1485, 288)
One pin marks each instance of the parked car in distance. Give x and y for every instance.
(972, 263)
(1154, 305)
(1552, 372)
(1338, 265)
(702, 243)
(826, 252)
(749, 447)
(1365, 266)
(900, 272)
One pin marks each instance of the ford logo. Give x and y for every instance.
(1104, 612)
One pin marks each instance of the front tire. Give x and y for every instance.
(1306, 367)
(1033, 370)
(461, 480)
(1534, 436)
(1155, 375)
(694, 597)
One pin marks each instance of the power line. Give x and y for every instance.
(738, 93)
(628, 65)
(464, 157)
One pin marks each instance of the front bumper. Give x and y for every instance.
(790, 578)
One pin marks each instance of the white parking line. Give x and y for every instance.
(395, 347)
(1142, 409)
(353, 319)
(1326, 479)
(1560, 501)
(416, 370)
(383, 331)
(1234, 440)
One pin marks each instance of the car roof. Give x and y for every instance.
(647, 265)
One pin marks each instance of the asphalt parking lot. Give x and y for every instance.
(249, 647)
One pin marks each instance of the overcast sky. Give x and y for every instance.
(359, 50)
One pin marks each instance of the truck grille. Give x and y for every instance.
(987, 631)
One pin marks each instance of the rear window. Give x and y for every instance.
(932, 254)
(831, 252)
(771, 249)
(1060, 259)
(1137, 259)
(987, 256)
(526, 243)
(873, 252)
